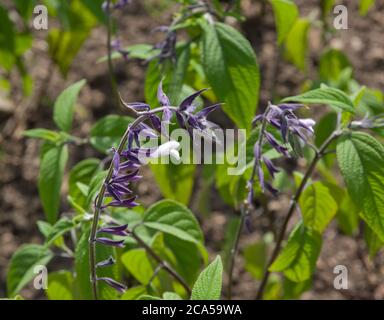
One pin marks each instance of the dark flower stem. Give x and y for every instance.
(111, 70)
(100, 199)
(318, 155)
(244, 212)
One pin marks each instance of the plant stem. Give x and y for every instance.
(100, 199)
(318, 155)
(235, 248)
(111, 70)
(245, 207)
(163, 263)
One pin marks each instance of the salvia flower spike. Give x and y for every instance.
(283, 118)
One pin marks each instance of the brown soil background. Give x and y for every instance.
(20, 207)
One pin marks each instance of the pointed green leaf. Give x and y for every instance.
(50, 178)
(22, 265)
(317, 206)
(137, 263)
(107, 132)
(296, 43)
(232, 70)
(329, 96)
(173, 218)
(208, 284)
(361, 158)
(286, 13)
(298, 258)
(60, 286)
(64, 105)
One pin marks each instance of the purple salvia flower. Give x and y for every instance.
(114, 284)
(257, 119)
(257, 151)
(156, 122)
(116, 162)
(250, 192)
(248, 224)
(275, 144)
(167, 47)
(369, 122)
(110, 242)
(271, 189)
(115, 230)
(270, 166)
(291, 128)
(126, 203)
(187, 102)
(260, 174)
(105, 263)
(161, 96)
(137, 106)
(204, 112)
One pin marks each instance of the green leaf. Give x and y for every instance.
(44, 228)
(77, 21)
(329, 96)
(296, 43)
(286, 13)
(64, 105)
(173, 218)
(60, 286)
(372, 241)
(298, 258)
(317, 206)
(83, 288)
(325, 127)
(137, 263)
(23, 262)
(293, 290)
(136, 51)
(173, 76)
(58, 229)
(208, 284)
(332, 63)
(107, 132)
(50, 178)
(25, 8)
(348, 215)
(187, 257)
(175, 180)
(232, 70)
(44, 134)
(255, 256)
(134, 293)
(94, 187)
(365, 5)
(361, 157)
(171, 296)
(82, 173)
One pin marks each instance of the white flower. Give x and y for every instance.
(308, 123)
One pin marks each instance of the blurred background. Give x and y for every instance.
(36, 71)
